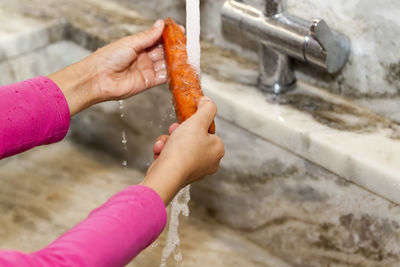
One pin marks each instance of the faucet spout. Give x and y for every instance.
(283, 37)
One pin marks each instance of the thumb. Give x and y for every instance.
(148, 38)
(206, 111)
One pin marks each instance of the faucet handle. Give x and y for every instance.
(334, 47)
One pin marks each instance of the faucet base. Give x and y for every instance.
(276, 72)
(276, 88)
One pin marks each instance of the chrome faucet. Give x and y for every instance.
(283, 37)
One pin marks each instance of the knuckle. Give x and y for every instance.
(215, 168)
(219, 144)
(222, 153)
(210, 106)
(213, 108)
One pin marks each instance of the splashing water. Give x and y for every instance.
(178, 205)
(124, 140)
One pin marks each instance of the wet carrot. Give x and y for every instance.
(184, 82)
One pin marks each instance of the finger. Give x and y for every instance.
(145, 67)
(161, 77)
(173, 127)
(160, 143)
(148, 76)
(156, 54)
(206, 112)
(148, 38)
(159, 146)
(160, 65)
(143, 62)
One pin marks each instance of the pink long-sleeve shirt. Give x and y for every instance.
(35, 112)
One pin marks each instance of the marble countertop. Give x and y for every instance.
(336, 134)
(328, 130)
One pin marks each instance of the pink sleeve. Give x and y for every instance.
(32, 113)
(112, 235)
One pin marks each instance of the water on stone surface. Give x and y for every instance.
(178, 205)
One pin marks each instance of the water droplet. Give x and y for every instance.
(124, 140)
(178, 256)
(124, 163)
(185, 212)
(155, 244)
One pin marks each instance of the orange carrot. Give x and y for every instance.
(184, 82)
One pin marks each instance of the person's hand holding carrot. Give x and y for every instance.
(187, 155)
(117, 71)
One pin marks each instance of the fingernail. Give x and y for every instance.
(160, 66)
(153, 55)
(162, 75)
(158, 23)
(158, 143)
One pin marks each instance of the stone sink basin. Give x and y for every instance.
(297, 186)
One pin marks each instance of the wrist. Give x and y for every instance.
(76, 82)
(166, 178)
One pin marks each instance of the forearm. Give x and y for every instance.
(112, 235)
(32, 113)
(76, 83)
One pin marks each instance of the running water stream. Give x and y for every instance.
(124, 140)
(180, 203)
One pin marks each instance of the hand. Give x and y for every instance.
(187, 155)
(130, 66)
(117, 71)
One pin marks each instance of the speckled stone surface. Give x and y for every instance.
(297, 210)
(45, 192)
